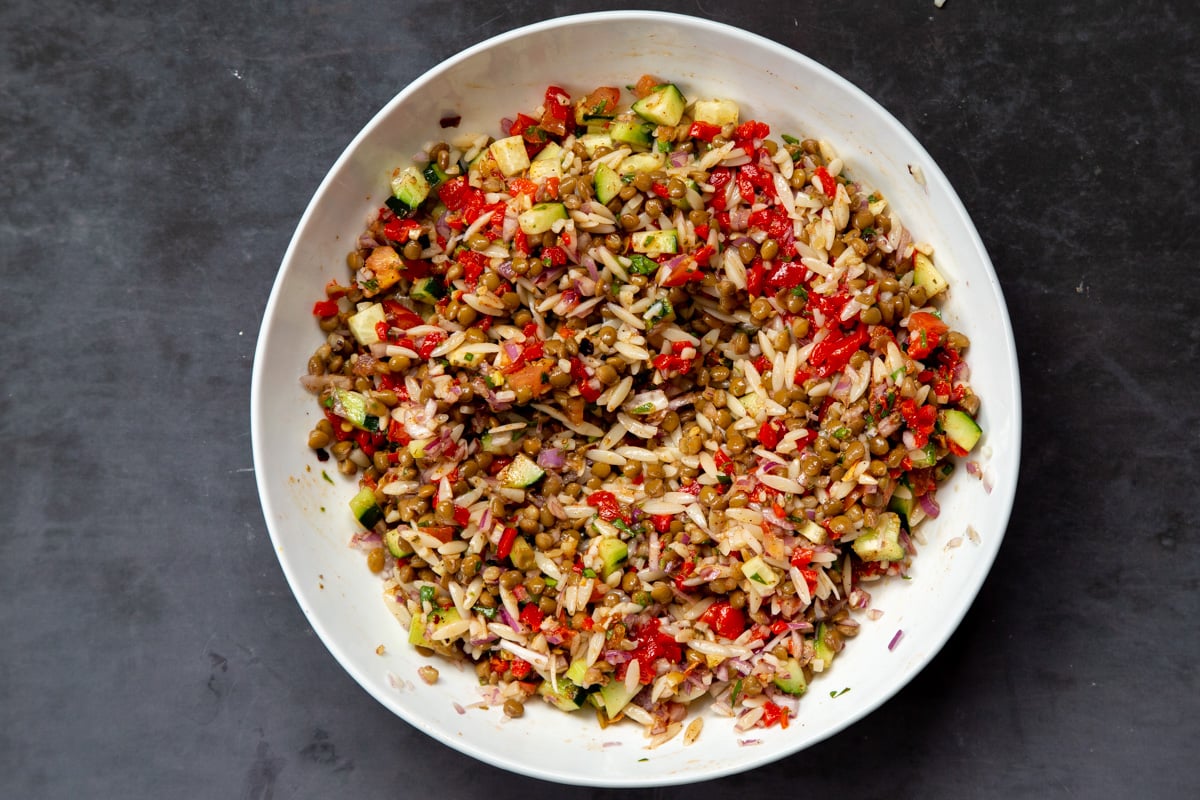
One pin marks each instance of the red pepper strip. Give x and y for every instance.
(724, 619)
(745, 186)
(605, 504)
(756, 277)
(762, 180)
(778, 627)
(832, 353)
(532, 616)
(399, 316)
(507, 538)
(383, 330)
(827, 181)
(325, 308)
(660, 189)
(702, 232)
(521, 242)
(462, 515)
(705, 131)
(723, 461)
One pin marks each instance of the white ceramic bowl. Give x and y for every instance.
(307, 516)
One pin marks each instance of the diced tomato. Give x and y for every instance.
(602, 102)
(443, 533)
(759, 178)
(646, 85)
(556, 111)
(774, 714)
(925, 333)
(456, 193)
(801, 557)
(520, 668)
(920, 420)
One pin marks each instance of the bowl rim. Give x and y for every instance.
(754, 758)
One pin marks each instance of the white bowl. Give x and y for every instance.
(308, 518)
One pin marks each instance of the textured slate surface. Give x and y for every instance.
(156, 159)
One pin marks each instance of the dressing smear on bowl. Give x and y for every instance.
(641, 397)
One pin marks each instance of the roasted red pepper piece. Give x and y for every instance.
(719, 178)
(504, 548)
(827, 181)
(724, 619)
(325, 308)
(705, 131)
(606, 505)
(532, 616)
(771, 432)
(832, 353)
(925, 333)
(652, 644)
(556, 111)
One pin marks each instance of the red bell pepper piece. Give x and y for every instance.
(532, 616)
(606, 505)
(827, 181)
(325, 308)
(724, 619)
(430, 343)
(705, 131)
(832, 353)
(756, 277)
(771, 432)
(400, 230)
(719, 178)
(662, 522)
(653, 644)
(507, 538)
(556, 111)
(788, 275)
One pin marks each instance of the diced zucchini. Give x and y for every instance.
(547, 163)
(631, 132)
(641, 162)
(362, 324)
(352, 407)
(593, 141)
(654, 243)
(424, 625)
(614, 696)
(926, 274)
(663, 106)
(520, 473)
(607, 183)
(568, 697)
(753, 403)
(902, 501)
(576, 671)
(409, 186)
(612, 552)
(429, 289)
(715, 112)
(812, 531)
(925, 457)
(465, 356)
(790, 678)
(541, 217)
(822, 649)
(960, 428)
(763, 578)
(511, 156)
(434, 175)
(366, 509)
(881, 543)
(397, 545)
(659, 310)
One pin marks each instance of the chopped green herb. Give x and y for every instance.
(872, 198)
(588, 572)
(325, 475)
(427, 594)
(550, 581)
(868, 232)
(800, 292)
(489, 613)
(839, 694)
(662, 146)
(841, 433)
(468, 357)
(737, 692)
(789, 139)
(642, 265)
(644, 408)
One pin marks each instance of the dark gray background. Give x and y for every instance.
(156, 158)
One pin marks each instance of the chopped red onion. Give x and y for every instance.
(929, 505)
(678, 158)
(506, 270)
(551, 458)
(895, 640)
